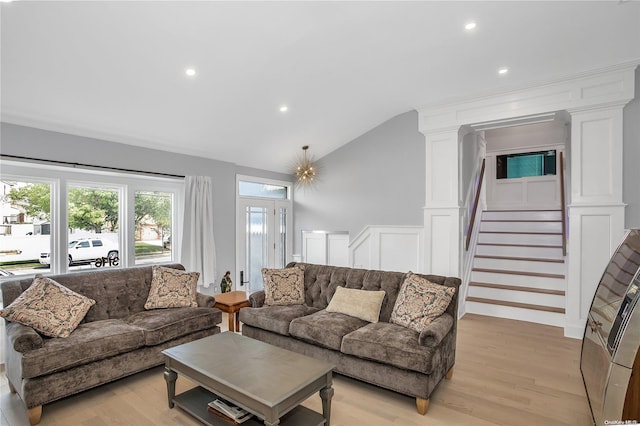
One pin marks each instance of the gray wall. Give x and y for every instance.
(631, 162)
(376, 179)
(42, 144)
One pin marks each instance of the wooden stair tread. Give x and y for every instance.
(532, 274)
(520, 232)
(528, 259)
(518, 245)
(528, 211)
(518, 288)
(516, 304)
(522, 220)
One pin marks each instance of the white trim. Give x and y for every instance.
(588, 97)
(613, 85)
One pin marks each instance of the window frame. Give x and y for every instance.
(60, 178)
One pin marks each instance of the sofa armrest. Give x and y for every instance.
(205, 300)
(436, 331)
(22, 338)
(257, 299)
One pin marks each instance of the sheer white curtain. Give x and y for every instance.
(198, 246)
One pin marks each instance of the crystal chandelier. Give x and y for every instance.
(305, 170)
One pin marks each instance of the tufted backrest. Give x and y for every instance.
(118, 292)
(321, 281)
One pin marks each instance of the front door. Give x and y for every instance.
(263, 239)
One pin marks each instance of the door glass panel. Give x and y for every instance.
(25, 228)
(257, 244)
(93, 228)
(153, 217)
(282, 234)
(263, 190)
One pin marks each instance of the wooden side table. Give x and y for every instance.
(231, 303)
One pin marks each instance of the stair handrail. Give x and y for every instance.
(563, 206)
(474, 208)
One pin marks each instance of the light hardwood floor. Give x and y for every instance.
(507, 373)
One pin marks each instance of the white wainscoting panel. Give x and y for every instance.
(338, 249)
(360, 251)
(389, 248)
(325, 248)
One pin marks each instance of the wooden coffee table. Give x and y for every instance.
(231, 303)
(268, 381)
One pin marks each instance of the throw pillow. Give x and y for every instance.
(363, 304)
(419, 302)
(283, 286)
(49, 308)
(172, 288)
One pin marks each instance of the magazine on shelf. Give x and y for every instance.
(232, 412)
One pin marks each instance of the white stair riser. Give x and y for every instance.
(540, 317)
(542, 299)
(522, 215)
(521, 226)
(520, 251)
(520, 265)
(524, 239)
(521, 280)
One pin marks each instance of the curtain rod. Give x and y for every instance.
(70, 164)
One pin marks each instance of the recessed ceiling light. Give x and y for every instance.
(190, 72)
(469, 26)
(503, 70)
(284, 108)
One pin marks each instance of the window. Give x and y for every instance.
(56, 219)
(513, 166)
(25, 229)
(93, 214)
(153, 226)
(263, 190)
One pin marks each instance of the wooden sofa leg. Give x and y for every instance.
(449, 374)
(422, 405)
(34, 415)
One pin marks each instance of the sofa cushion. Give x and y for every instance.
(274, 318)
(48, 307)
(162, 325)
(90, 342)
(171, 288)
(283, 286)
(419, 302)
(324, 328)
(391, 344)
(363, 304)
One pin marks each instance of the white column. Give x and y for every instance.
(596, 210)
(442, 235)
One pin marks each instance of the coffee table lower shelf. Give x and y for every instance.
(194, 401)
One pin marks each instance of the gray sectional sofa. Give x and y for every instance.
(382, 353)
(117, 337)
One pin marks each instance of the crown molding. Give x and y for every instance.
(613, 85)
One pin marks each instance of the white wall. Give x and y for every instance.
(376, 179)
(536, 192)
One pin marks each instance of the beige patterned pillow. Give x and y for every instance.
(49, 308)
(363, 304)
(283, 286)
(172, 288)
(420, 302)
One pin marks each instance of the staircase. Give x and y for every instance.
(519, 268)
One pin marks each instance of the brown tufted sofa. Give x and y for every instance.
(117, 337)
(382, 353)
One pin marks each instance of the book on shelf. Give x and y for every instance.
(227, 411)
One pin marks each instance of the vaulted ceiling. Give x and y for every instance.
(116, 70)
